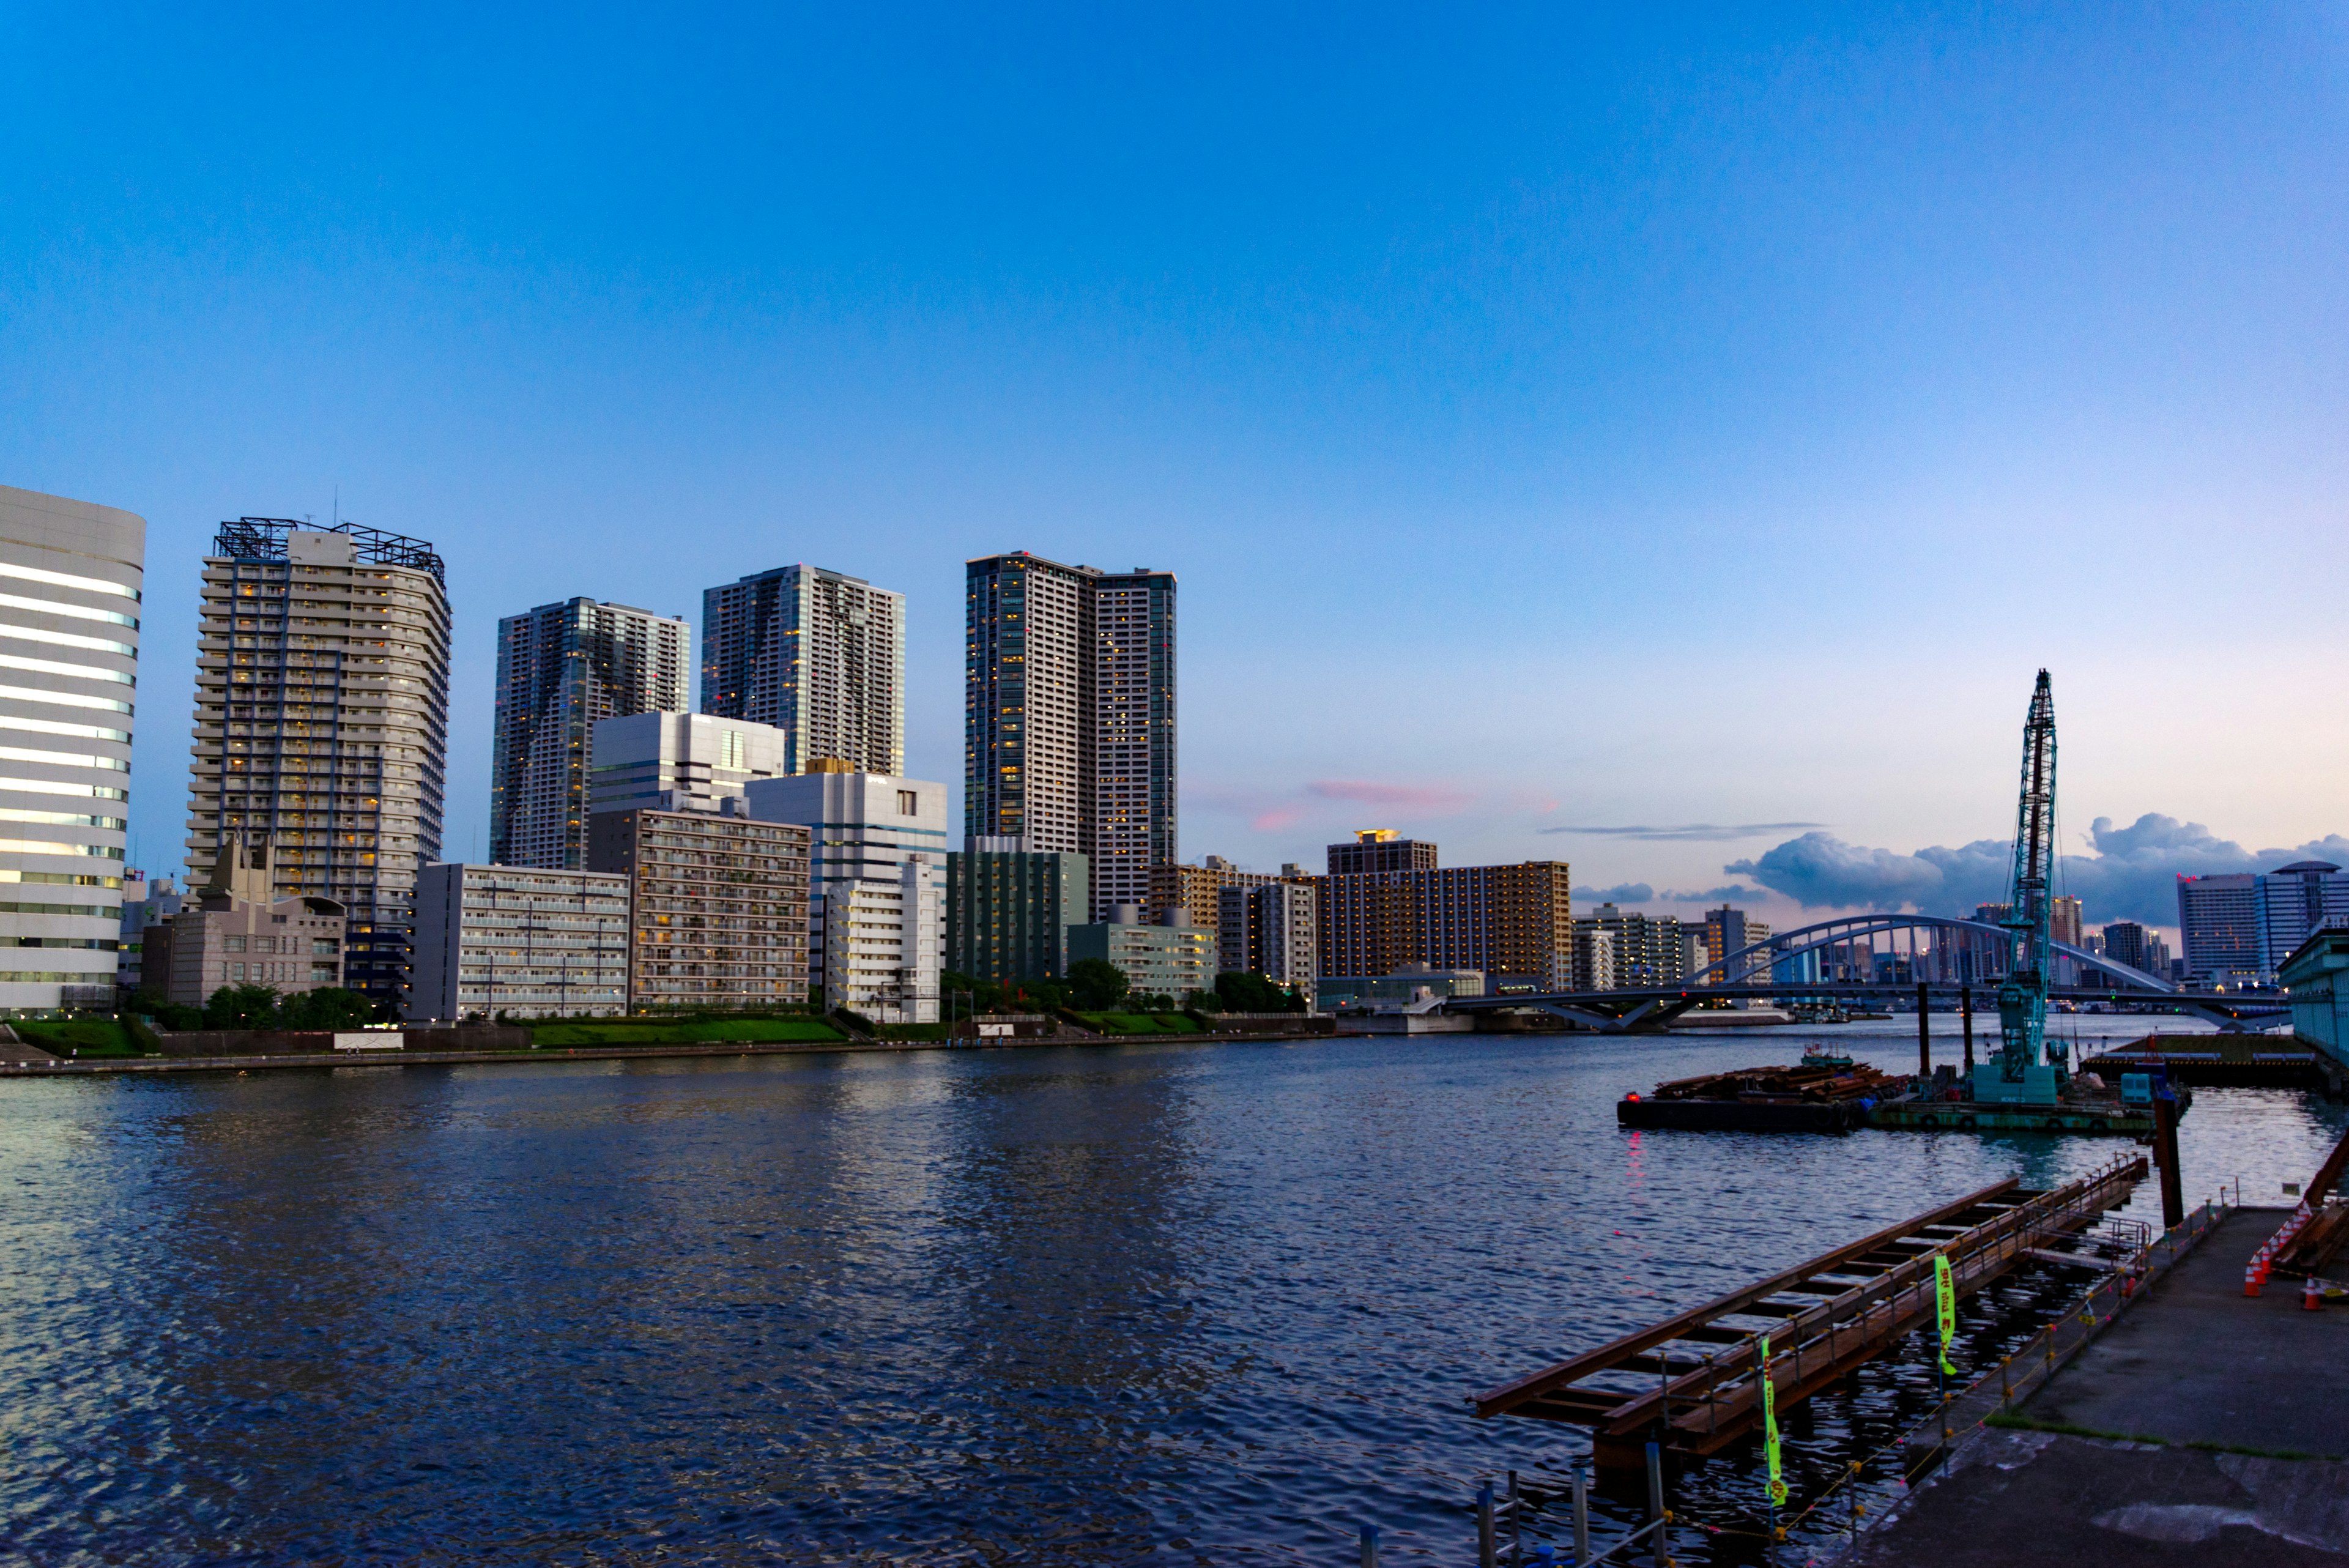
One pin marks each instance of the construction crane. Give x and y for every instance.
(2023, 997)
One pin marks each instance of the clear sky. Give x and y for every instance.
(1561, 418)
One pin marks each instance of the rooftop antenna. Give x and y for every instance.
(339, 505)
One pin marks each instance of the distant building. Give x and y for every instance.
(1409, 985)
(876, 889)
(818, 655)
(71, 575)
(1272, 929)
(1594, 957)
(146, 906)
(1380, 849)
(2317, 974)
(1008, 912)
(716, 907)
(1069, 716)
(2064, 919)
(680, 762)
(1200, 888)
(2295, 900)
(1728, 931)
(2219, 926)
(1648, 950)
(1514, 924)
(561, 668)
(1994, 914)
(1175, 959)
(240, 933)
(520, 941)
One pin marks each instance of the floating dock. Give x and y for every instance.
(2223, 1061)
(1691, 1381)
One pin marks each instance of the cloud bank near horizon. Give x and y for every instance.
(2132, 873)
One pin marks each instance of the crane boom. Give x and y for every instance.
(2023, 997)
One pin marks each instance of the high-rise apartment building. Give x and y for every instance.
(322, 722)
(562, 667)
(71, 575)
(1727, 932)
(2063, 920)
(818, 655)
(1646, 949)
(1594, 957)
(1069, 716)
(1272, 928)
(2126, 941)
(1008, 912)
(1512, 921)
(716, 907)
(1381, 849)
(2219, 926)
(520, 941)
(679, 761)
(876, 887)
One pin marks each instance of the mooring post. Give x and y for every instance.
(1581, 1514)
(1485, 1557)
(1517, 1522)
(1662, 1540)
(1966, 1014)
(1924, 1035)
(2165, 1149)
(1369, 1546)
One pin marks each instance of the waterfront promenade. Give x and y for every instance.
(2201, 1428)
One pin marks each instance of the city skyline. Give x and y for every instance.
(1732, 412)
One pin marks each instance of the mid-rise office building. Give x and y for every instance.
(519, 942)
(1381, 849)
(1648, 950)
(680, 762)
(716, 907)
(71, 575)
(240, 932)
(1512, 923)
(1008, 912)
(1069, 711)
(322, 722)
(1173, 959)
(877, 897)
(561, 668)
(1272, 928)
(1727, 932)
(818, 655)
(2219, 926)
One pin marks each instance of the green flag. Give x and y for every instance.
(1946, 1295)
(1770, 1427)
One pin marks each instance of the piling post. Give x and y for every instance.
(1663, 1539)
(1924, 1034)
(2165, 1147)
(1517, 1522)
(1486, 1557)
(1369, 1546)
(1581, 1515)
(1966, 1018)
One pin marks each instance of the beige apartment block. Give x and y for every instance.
(238, 932)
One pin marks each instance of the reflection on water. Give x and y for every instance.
(1081, 1305)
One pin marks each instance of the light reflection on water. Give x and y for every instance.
(1079, 1305)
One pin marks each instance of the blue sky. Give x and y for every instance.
(1557, 419)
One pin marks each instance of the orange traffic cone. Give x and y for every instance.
(2312, 1296)
(2251, 1278)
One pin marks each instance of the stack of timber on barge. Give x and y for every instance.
(1825, 1094)
(1693, 1382)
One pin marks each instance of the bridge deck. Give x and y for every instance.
(1694, 1381)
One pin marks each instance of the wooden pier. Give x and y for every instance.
(1692, 1381)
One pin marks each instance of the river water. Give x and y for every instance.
(1174, 1304)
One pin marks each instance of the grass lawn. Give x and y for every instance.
(713, 1031)
(1139, 1023)
(82, 1036)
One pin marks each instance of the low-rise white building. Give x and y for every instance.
(877, 883)
(524, 942)
(679, 761)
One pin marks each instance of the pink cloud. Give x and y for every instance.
(1276, 819)
(1435, 799)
